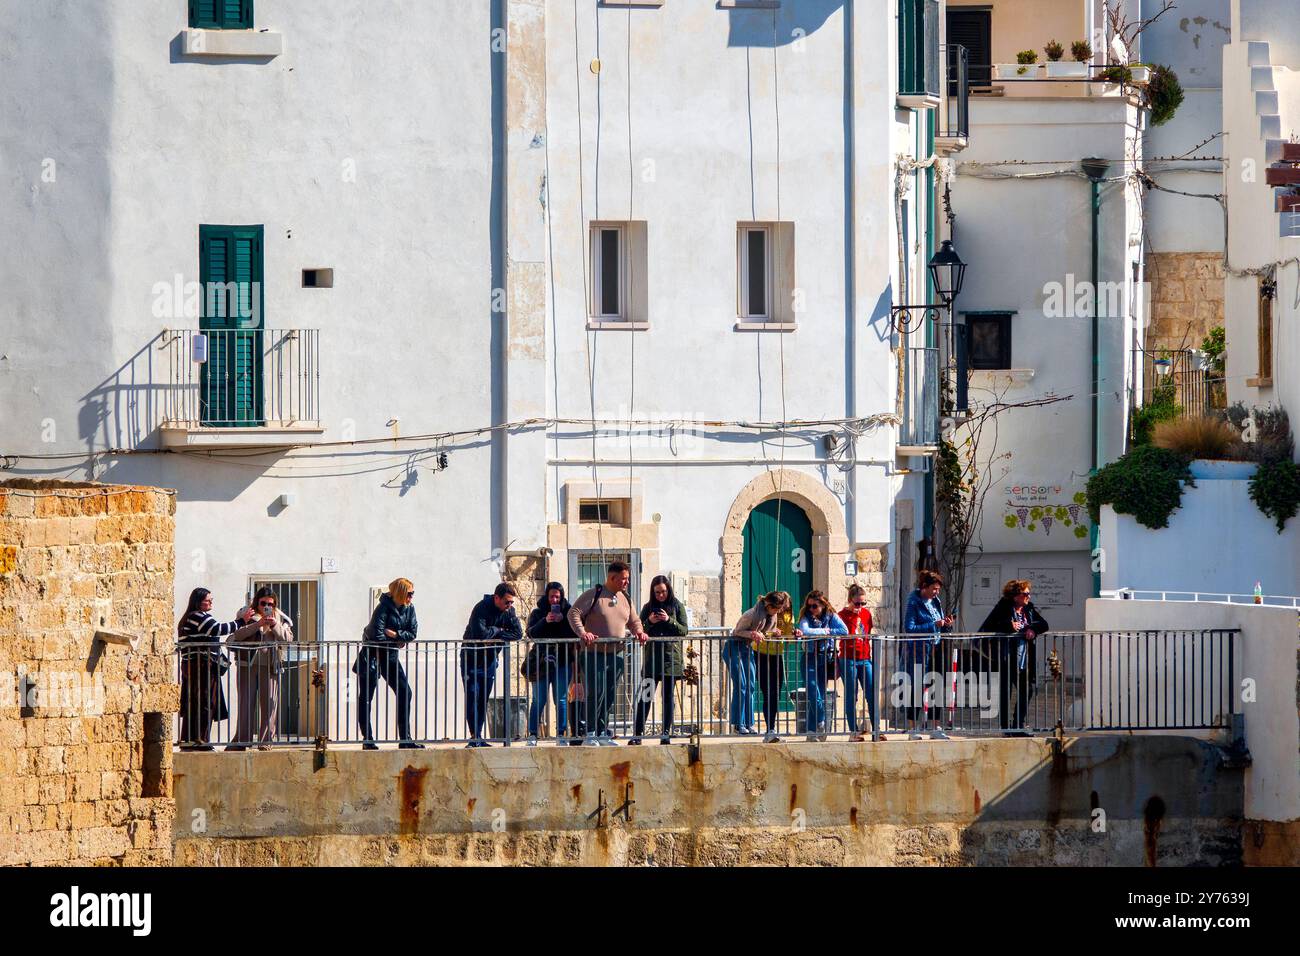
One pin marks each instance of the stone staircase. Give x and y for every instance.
(1282, 154)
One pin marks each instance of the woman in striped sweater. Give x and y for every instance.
(202, 664)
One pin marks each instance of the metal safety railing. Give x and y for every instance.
(708, 684)
(232, 378)
(954, 116)
(1211, 597)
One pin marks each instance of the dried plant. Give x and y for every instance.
(1199, 437)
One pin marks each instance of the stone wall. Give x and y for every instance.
(1186, 298)
(85, 726)
(1166, 800)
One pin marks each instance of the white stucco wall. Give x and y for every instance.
(1267, 659)
(1217, 541)
(368, 147)
(1019, 236)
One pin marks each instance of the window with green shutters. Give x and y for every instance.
(230, 271)
(918, 48)
(221, 14)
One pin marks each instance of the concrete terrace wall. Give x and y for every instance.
(1167, 801)
(85, 766)
(1269, 658)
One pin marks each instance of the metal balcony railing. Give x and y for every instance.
(450, 691)
(1176, 376)
(242, 378)
(920, 426)
(954, 117)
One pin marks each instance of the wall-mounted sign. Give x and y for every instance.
(1052, 587)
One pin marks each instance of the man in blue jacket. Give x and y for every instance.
(491, 624)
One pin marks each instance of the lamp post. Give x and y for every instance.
(947, 274)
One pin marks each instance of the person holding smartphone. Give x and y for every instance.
(924, 616)
(548, 666)
(256, 649)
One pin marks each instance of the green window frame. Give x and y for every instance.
(918, 48)
(221, 14)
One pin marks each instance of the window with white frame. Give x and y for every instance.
(765, 293)
(755, 273)
(608, 271)
(618, 274)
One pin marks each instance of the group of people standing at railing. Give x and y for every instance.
(576, 659)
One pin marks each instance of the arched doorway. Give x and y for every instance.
(778, 540)
(777, 556)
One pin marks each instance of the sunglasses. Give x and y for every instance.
(266, 604)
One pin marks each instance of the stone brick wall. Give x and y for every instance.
(86, 726)
(1186, 298)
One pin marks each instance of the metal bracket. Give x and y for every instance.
(601, 813)
(693, 749)
(626, 807)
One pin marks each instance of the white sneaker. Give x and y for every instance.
(821, 732)
(915, 735)
(590, 741)
(532, 741)
(939, 735)
(771, 738)
(606, 742)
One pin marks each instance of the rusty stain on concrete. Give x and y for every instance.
(410, 787)
(1153, 815)
(469, 806)
(977, 802)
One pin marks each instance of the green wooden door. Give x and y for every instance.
(778, 557)
(230, 270)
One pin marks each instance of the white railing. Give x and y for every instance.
(1212, 597)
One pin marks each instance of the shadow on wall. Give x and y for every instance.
(1119, 801)
(779, 27)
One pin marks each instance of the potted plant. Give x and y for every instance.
(1022, 69)
(1140, 74)
(1057, 69)
(1164, 94)
(1212, 446)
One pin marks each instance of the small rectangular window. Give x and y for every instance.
(1267, 292)
(318, 278)
(755, 272)
(593, 512)
(221, 14)
(609, 273)
(989, 340)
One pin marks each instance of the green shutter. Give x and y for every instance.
(221, 14)
(918, 47)
(778, 557)
(231, 380)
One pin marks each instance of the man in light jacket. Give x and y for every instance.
(601, 617)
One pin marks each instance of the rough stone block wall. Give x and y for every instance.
(1186, 298)
(85, 726)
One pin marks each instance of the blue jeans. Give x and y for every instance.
(855, 673)
(814, 682)
(739, 657)
(600, 673)
(478, 669)
(557, 680)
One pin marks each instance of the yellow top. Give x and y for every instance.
(785, 627)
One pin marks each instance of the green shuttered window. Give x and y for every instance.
(230, 270)
(221, 14)
(918, 48)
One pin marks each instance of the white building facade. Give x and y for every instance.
(459, 236)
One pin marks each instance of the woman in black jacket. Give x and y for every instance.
(664, 620)
(1017, 658)
(549, 662)
(392, 627)
(203, 699)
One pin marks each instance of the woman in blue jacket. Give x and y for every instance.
(817, 625)
(924, 615)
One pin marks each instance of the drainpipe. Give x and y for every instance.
(850, 263)
(501, 320)
(1095, 169)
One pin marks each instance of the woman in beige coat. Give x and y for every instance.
(255, 648)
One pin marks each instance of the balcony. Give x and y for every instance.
(241, 388)
(952, 132)
(918, 54)
(919, 432)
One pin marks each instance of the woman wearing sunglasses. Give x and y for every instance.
(256, 650)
